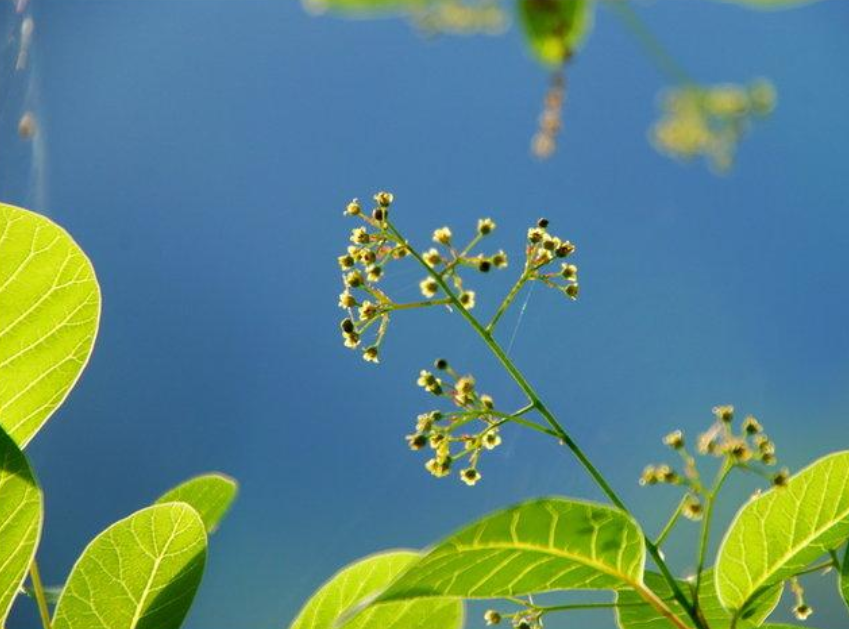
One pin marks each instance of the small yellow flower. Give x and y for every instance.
(569, 272)
(492, 617)
(470, 476)
(499, 260)
(354, 279)
(429, 287)
(352, 339)
(674, 440)
(368, 310)
(417, 441)
(374, 273)
(346, 299)
(467, 298)
(439, 467)
(371, 355)
(572, 291)
(487, 401)
(535, 234)
(724, 413)
(752, 426)
(803, 611)
(384, 199)
(432, 257)
(693, 509)
(346, 261)
(359, 236)
(565, 249)
(442, 236)
(491, 439)
(353, 208)
(485, 226)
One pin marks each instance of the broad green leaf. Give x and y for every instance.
(49, 314)
(20, 521)
(635, 614)
(555, 29)
(781, 532)
(210, 495)
(365, 578)
(538, 546)
(140, 573)
(844, 578)
(783, 626)
(772, 4)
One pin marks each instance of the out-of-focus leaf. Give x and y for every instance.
(49, 315)
(210, 495)
(555, 29)
(20, 521)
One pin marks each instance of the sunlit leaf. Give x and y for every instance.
(772, 4)
(635, 614)
(49, 313)
(140, 573)
(783, 626)
(210, 495)
(781, 532)
(20, 521)
(366, 577)
(555, 29)
(537, 546)
(844, 578)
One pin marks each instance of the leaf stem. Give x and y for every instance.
(651, 45)
(567, 441)
(40, 598)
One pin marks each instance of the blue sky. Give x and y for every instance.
(202, 152)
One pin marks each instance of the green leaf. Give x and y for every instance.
(538, 546)
(49, 314)
(20, 521)
(635, 614)
(555, 29)
(140, 573)
(363, 579)
(844, 578)
(771, 4)
(783, 626)
(781, 532)
(210, 495)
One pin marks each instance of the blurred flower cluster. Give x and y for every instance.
(709, 122)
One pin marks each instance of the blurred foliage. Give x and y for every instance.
(697, 120)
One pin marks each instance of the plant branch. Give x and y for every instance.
(673, 520)
(566, 440)
(40, 598)
(710, 500)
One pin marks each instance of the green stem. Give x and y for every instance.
(418, 304)
(673, 520)
(817, 568)
(566, 440)
(40, 598)
(710, 500)
(507, 301)
(657, 52)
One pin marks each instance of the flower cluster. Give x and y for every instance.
(542, 250)
(544, 142)
(748, 448)
(440, 431)
(446, 260)
(363, 265)
(710, 121)
(461, 17)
